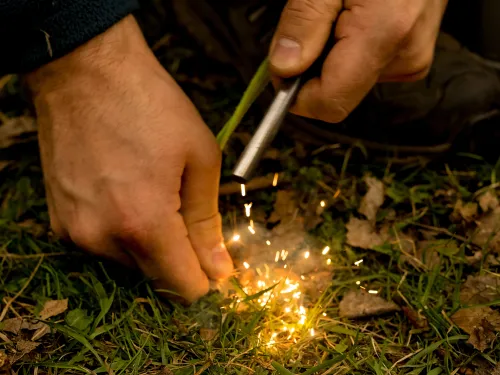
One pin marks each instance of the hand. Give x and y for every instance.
(131, 170)
(376, 41)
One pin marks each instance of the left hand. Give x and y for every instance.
(376, 41)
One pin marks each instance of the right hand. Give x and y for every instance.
(131, 170)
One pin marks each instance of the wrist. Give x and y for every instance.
(105, 54)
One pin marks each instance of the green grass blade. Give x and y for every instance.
(258, 83)
(81, 339)
(433, 347)
(281, 370)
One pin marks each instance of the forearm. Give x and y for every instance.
(35, 32)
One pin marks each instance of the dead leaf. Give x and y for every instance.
(12, 325)
(17, 130)
(26, 346)
(33, 227)
(488, 201)
(4, 361)
(466, 211)
(418, 321)
(208, 334)
(373, 199)
(487, 232)
(480, 289)
(40, 332)
(165, 371)
(480, 323)
(285, 206)
(360, 304)
(53, 308)
(362, 234)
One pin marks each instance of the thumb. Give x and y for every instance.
(199, 208)
(302, 33)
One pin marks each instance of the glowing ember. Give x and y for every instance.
(246, 265)
(357, 263)
(312, 331)
(328, 261)
(324, 314)
(248, 206)
(322, 203)
(251, 230)
(277, 257)
(373, 292)
(306, 254)
(275, 179)
(358, 282)
(325, 250)
(236, 237)
(243, 190)
(268, 243)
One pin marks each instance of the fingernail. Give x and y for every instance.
(221, 260)
(286, 54)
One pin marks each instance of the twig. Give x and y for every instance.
(6, 308)
(202, 370)
(31, 256)
(4, 80)
(254, 184)
(443, 231)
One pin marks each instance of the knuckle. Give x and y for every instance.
(307, 11)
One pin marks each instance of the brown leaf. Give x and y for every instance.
(488, 230)
(208, 334)
(165, 371)
(373, 199)
(361, 233)
(33, 227)
(417, 321)
(480, 323)
(40, 332)
(360, 304)
(466, 211)
(488, 201)
(4, 361)
(480, 289)
(15, 130)
(285, 206)
(53, 308)
(12, 325)
(26, 346)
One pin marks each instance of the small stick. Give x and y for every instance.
(6, 308)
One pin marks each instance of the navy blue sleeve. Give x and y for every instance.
(34, 32)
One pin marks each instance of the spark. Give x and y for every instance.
(248, 206)
(284, 254)
(302, 277)
(302, 320)
(236, 237)
(306, 254)
(251, 230)
(312, 331)
(322, 203)
(275, 179)
(373, 292)
(358, 282)
(243, 190)
(268, 243)
(277, 257)
(251, 223)
(296, 295)
(284, 266)
(246, 265)
(328, 261)
(288, 309)
(325, 250)
(357, 263)
(324, 314)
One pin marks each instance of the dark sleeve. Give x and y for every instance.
(34, 32)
